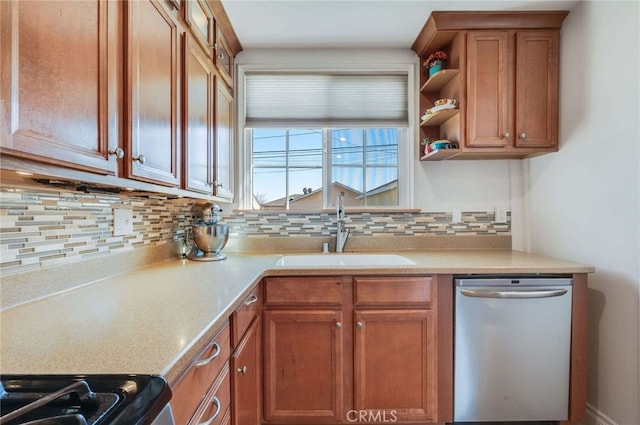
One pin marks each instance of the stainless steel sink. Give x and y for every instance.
(343, 260)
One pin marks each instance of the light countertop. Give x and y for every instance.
(153, 321)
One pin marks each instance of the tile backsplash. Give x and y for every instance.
(52, 226)
(263, 224)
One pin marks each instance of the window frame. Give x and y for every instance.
(406, 143)
(286, 165)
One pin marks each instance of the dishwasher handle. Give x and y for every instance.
(492, 293)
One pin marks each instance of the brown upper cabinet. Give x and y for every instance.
(199, 18)
(198, 116)
(224, 58)
(59, 83)
(502, 69)
(223, 182)
(153, 151)
(209, 25)
(119, 94)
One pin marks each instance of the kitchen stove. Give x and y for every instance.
(82, 399)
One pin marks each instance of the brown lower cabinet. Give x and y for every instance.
(304, 365)
(341, 349)
(354, 349)
(203, 391)
(245, 365)
(395, 364)
(222, 384)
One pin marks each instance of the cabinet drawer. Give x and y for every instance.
(217, 403)
(408, 290)
(244, 315)
(190, 391)
(303, 291)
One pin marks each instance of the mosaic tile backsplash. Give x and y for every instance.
(43, 227)
(259, 224)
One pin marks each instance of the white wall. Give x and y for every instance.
(583, 203)
(438, 186)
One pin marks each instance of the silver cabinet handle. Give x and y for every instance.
(506, 135)
(242, 370)
(208, 360)
(338, 325)
(359, 324)
(209, 421)
(117, 152)
(251, 300)
(140, 158)
(217, 184)
(522, 135)
(483, 293)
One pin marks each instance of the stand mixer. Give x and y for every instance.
(206, 237)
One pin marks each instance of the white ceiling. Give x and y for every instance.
(351, 23)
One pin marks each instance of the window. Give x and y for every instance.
(287, 168)
(309, 136)
(290, 170)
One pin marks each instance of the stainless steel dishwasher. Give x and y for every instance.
(512, 349)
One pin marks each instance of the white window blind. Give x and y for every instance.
(308, 99)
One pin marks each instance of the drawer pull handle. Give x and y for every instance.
(251, 300)
(208, 360)
(338, 325)
(209, 421)
(242, 370)
(359, 324)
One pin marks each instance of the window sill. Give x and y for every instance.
(355, 210)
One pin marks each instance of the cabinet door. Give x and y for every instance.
(245, 364)
(198, 118)
(224, 57)
(200, 20)
(59, 82)
(488, 89)
(303, 366)
(395, 366)
(223, 182)
(537, 89)
(152, 89)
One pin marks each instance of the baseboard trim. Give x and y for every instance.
(596, 417)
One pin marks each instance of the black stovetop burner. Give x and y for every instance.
(81, 399)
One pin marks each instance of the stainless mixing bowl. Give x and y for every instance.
(210, 238)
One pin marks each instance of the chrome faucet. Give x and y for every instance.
(342, 234)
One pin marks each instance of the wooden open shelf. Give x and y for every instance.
(440, 117)
(440, 154)
(438, 80)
